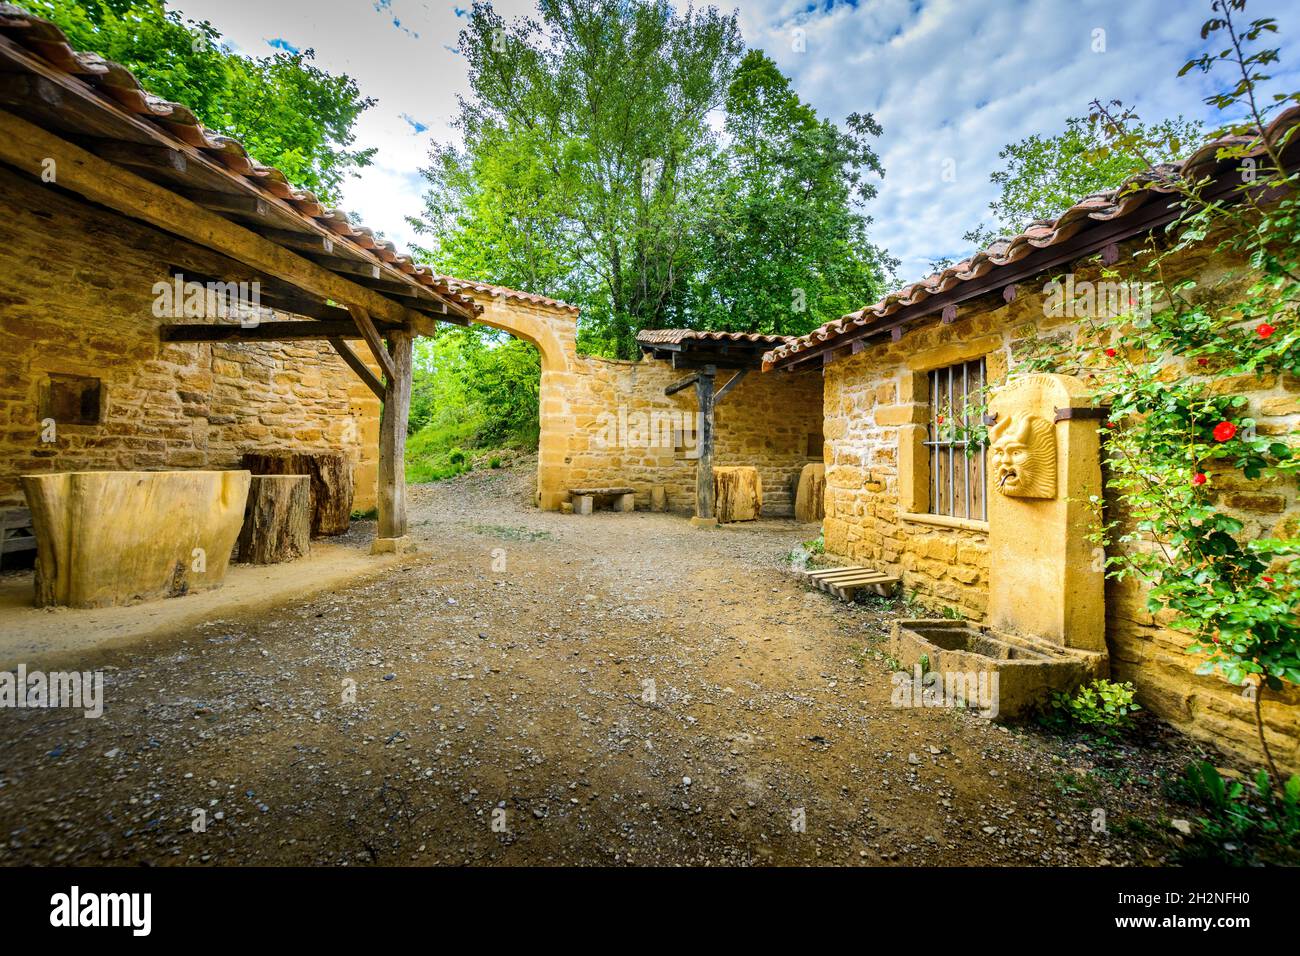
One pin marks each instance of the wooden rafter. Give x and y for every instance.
(354, 362)
(371, 335)
(259, 332)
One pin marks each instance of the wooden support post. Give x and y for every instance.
(392, 445)
(704, 464)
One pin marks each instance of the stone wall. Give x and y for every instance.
(625, 431)
(76, 298)
(876, 409)
(765, 421)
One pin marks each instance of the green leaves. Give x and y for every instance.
(594, 171)
(286, 111)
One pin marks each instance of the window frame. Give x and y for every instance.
(942, 502)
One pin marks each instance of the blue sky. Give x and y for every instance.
(951, 82)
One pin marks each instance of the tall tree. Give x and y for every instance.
(785, 246)
(286, 111)
(1045, 175)
(587, 133)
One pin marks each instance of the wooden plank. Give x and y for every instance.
(261, 332)
(139, 154)
(852, 574)
(855, 576)
(352, 267)
(371, 335)
(731, 383)
(24, 145)
(306, 241)
(354, 362)
(685, 383)
(22, 90)
(228, 202)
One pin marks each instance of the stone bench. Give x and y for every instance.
(584, 499)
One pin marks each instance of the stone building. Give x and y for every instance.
(900, 498)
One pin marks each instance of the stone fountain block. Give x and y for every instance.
(117, 537)
(1029, 669)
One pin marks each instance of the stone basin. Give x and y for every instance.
(117, 537)
(1028, 669)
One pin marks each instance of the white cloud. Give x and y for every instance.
(947, 79)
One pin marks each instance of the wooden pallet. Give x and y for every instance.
(846, 582)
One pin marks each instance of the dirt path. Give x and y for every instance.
(523, 690)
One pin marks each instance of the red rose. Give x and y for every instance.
(1224, 430)
(1110, 353)
(1198, 479)
(1266, 579)
(1202, 362)
(1264, 330)
(1110, 424)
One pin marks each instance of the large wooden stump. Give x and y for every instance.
(117, 537)
(277, 519)
(737, 493)
(810, 499)
(331, 483)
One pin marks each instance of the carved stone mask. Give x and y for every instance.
(1023, 456)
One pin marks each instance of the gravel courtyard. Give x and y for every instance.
(503, 715)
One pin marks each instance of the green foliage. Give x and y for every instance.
(1242, 825)
(471, 389)
(783, 247)
(1102, 706)
(494, 462)
(591, 172)
(1045, 175)
(1168, 366)
(286, 111)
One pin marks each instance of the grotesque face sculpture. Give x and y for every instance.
(1023, 456)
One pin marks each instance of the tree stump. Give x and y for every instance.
(810, 499)
(331, 484)
(277, 519)
(737, 493)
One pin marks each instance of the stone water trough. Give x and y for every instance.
(117, 537)
(1028, 669)
(1046, 627)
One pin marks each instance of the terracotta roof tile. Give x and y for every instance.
(486, 288)
(1040, 234)
(119, 87)
(674, 336)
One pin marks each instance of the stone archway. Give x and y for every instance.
(551, 327)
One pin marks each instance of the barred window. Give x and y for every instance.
(956, 470)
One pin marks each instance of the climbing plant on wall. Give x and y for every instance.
(1173, 363)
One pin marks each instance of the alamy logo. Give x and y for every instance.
(179, 299)
(79, 690)
(661, 428)
(103, 909)
(1097, 300)
(975, 689)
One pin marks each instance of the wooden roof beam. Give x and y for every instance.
(26, 146)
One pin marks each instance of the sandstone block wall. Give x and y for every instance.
(764, 422)
(76, 299)
(875, 409)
